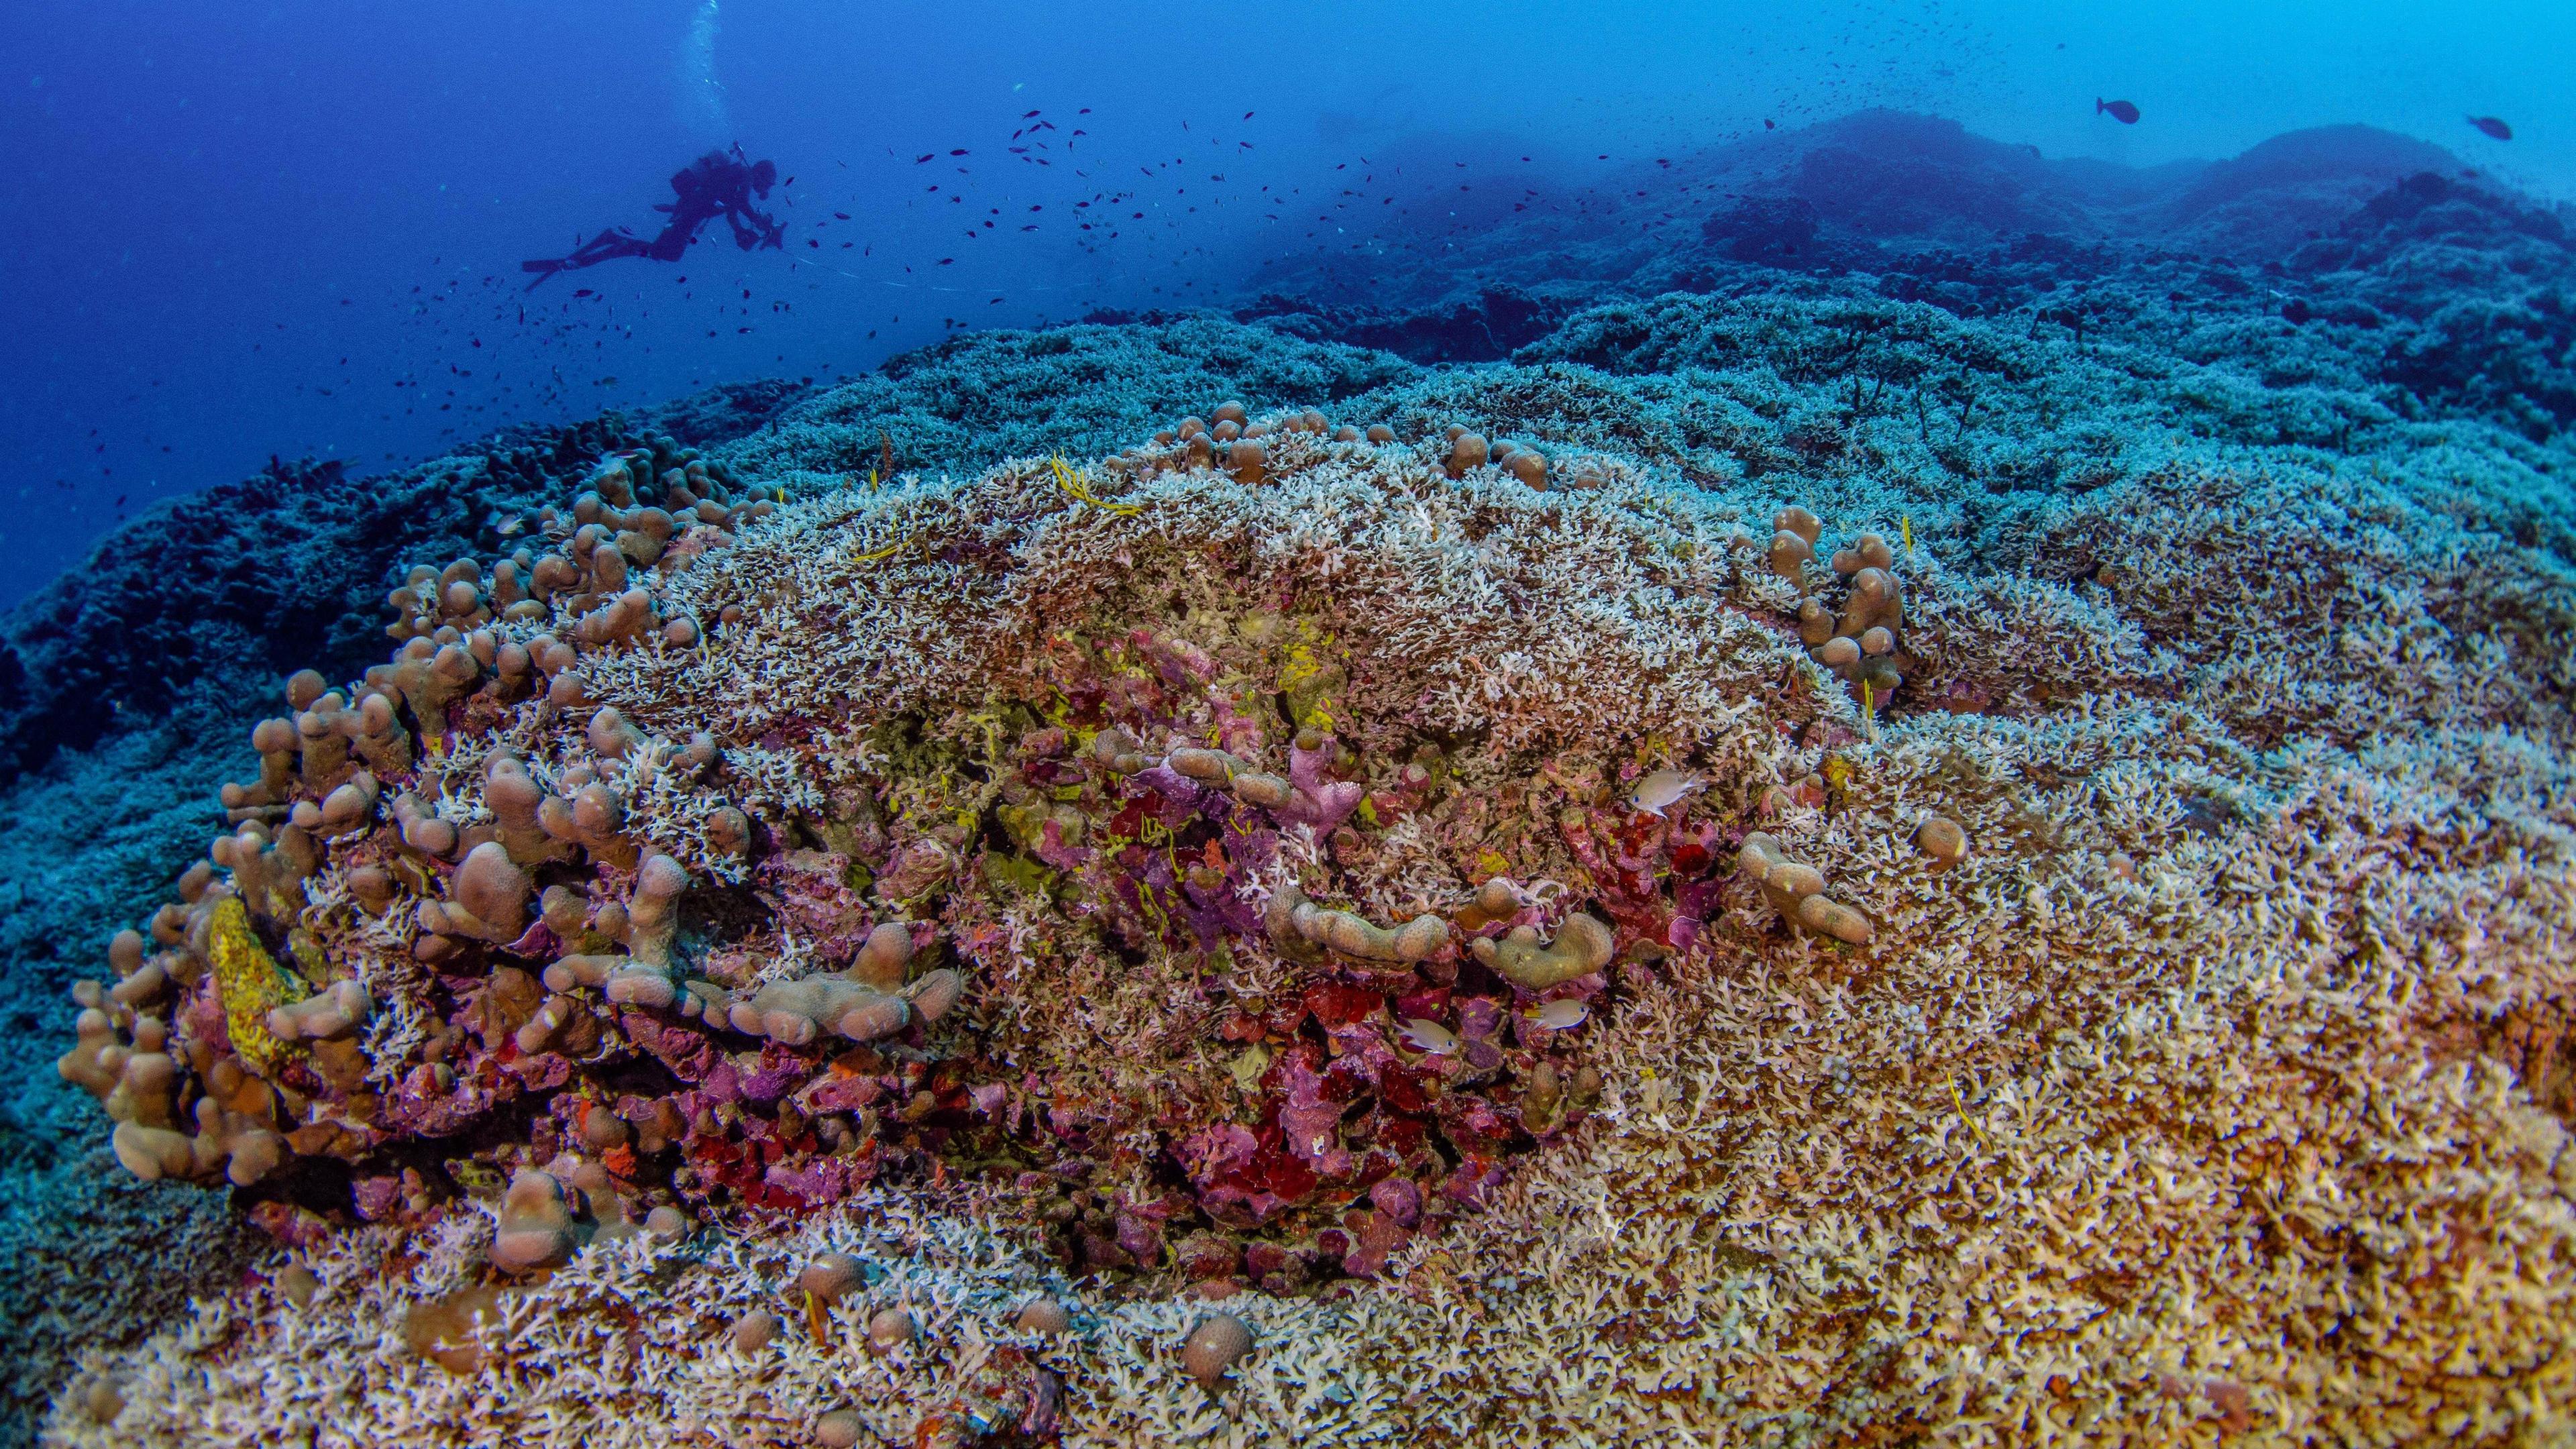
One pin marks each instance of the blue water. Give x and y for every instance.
(294, 229)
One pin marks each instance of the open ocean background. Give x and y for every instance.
(293, 229)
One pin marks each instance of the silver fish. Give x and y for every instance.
(1663, 788)
(1429, 1037)
(1562, 1014)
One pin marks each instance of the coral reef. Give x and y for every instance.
(996, 800)
(1282, 836)
(931, 1341)
(191, 603)
(224, 584)
(1824, 861)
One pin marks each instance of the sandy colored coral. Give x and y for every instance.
(1582, 946)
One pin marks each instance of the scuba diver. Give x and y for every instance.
(715, 185)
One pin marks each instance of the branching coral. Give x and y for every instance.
(1349, 889)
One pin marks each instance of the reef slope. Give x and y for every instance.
(2219, 1084)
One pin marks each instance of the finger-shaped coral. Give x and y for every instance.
(641, 985)
(153, 1153)
(487, 898)
(622, 979)
(936, 994)
(1119, 752)
(515, 798)
(1860, 645)
(1495, 900)
(594, 819)
(380, 738)
(580, 968)
(1875, 601)
(269, 868)
(1789, 555)
(1279, 917)
(1794, 532)
(653, 915)
(421, 828)
(609, 735)
(881, 959)
(1355, 935)
(537, 1228)
(796, 1012)
(1214, 766)
(236, 1126)
(98, 1053)
(1308, 796)
(1582, 946)
(349, 807)
(334, 1012)
(1869, 551)
(1796, 891)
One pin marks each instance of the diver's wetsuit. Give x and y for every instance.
(714, 185)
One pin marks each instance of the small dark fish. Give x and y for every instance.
(2492, 126)
(1770, 125)
(584, 292)
(2120, 111)
(925, 156)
